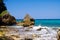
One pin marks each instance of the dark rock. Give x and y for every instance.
(7, 19)
(39, 29)
(25, 25)
(6, 38)
(32, 19)
(0, 21)
(28, 39)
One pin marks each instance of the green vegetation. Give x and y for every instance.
(4, 12)
(1, 1)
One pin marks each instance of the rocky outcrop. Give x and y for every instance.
(28, 21)
(5, 17)
(7, 20)
(59, 34)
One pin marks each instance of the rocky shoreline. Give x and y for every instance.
(24, 30)
(26, 33)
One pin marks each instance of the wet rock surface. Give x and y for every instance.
(32, 34)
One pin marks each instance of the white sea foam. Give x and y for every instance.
(46, 33)
(44, 29)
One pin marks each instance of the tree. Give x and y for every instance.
(2, 6)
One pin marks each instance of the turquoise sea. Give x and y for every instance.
(45, 22)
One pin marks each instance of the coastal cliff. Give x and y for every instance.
(5, 18)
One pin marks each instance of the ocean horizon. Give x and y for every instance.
(45, 22)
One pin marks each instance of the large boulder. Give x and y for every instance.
(7, 19)
(28, 21)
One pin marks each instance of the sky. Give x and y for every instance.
(37, 9)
